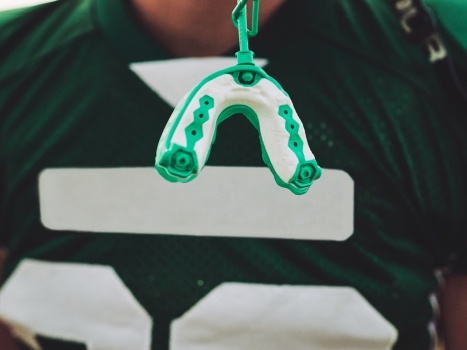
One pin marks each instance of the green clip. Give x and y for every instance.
(239, 19)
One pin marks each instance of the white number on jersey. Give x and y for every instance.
(90, 304)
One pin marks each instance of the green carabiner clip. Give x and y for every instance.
(239, 19)
(244, 89)
(240, 11)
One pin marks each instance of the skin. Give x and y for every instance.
(453, 304)
(7, 339)
(195, 28)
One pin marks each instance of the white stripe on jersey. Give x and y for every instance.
(224, 202)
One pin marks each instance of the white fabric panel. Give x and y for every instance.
(76, 302)
(172, 79)
(225, 202)
(237, 316)
(12, 4)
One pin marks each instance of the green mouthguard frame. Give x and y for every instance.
(245, 89)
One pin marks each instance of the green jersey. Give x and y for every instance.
(84, 96)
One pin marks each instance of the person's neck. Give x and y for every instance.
(195, 28)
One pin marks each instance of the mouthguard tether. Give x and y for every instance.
(186, 141)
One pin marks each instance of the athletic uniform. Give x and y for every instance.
(74, 97)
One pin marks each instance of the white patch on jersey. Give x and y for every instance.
(13, 4)
(237, 316)
(173, 79)
(76, 302)
(90, 304)
(224, 202)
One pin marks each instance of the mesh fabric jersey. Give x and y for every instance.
(371, 106)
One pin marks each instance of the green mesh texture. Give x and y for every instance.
(389, 128)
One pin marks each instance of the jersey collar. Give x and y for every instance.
(125, 34)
